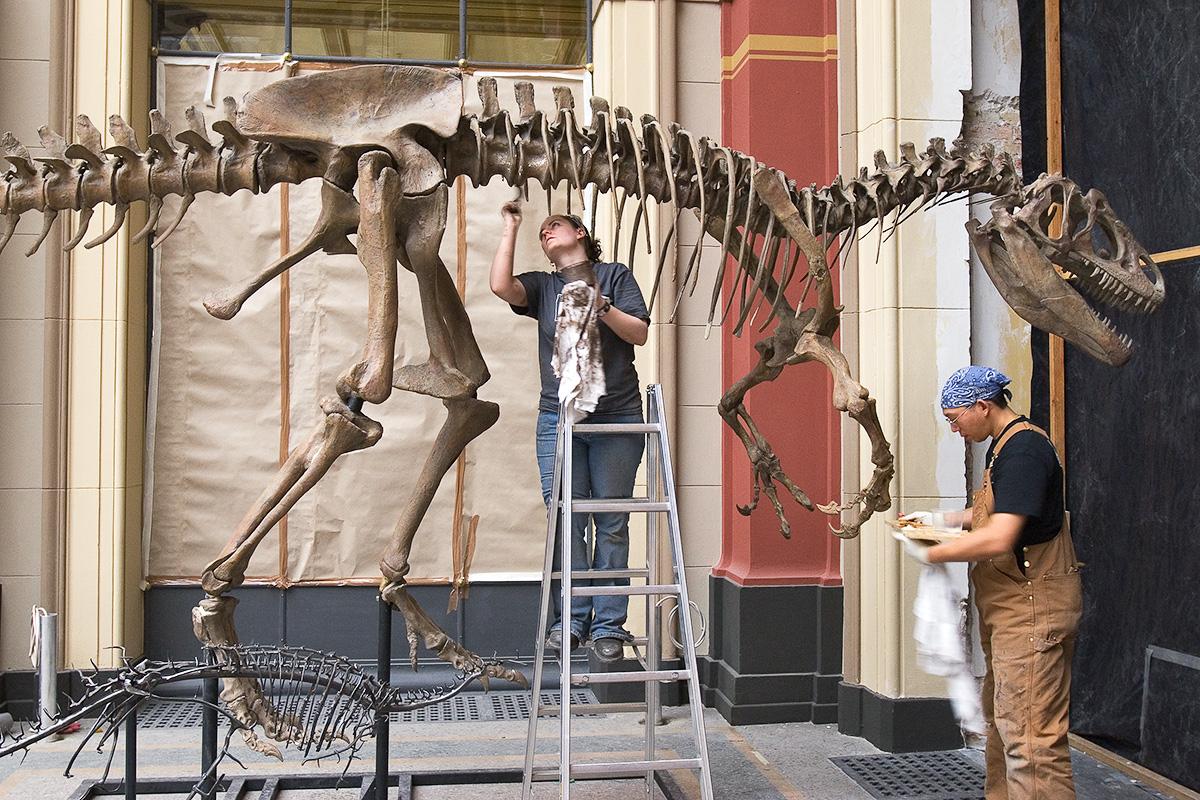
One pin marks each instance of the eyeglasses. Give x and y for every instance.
(954, 421)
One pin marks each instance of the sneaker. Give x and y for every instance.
(608, 649)
(555, 640)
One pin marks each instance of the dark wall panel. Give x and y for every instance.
(1131, 87)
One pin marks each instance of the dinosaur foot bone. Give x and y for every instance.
(244, 699)
(423, 630)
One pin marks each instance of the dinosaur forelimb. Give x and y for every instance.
(765, 466)
(338, 217)
(424, 631)
(212, 622)
(341, 431)
(849, 396)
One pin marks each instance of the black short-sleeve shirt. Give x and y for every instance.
(1027, 479)
(622, 391)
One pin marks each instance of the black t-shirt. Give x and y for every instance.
(1027, 479)
(622, 393)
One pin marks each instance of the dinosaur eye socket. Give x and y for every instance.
(1103, 243)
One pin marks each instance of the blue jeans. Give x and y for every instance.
(602, 465)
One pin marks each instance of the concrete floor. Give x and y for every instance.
(761, 762)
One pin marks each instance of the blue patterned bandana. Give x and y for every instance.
(971, 384)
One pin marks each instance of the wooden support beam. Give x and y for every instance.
(1054, 163)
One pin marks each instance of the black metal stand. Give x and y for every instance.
(383, 666)
(131, 756)
(371, 785)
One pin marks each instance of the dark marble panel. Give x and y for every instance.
(1131, 86)
(1131, 90)
(1132, 461)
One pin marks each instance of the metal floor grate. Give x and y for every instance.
(915, 776)
(466, 707)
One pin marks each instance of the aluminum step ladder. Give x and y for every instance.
(660, 499)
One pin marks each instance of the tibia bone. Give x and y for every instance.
(467, 418)
(341, 431)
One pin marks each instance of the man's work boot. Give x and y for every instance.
(608, 649)
(555, 640)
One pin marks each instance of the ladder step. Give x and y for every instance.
(636, 767)
(617, 427)
(588, 678)
(620, 504)
(614, 769)
(586, 709)
(627, 591)
(589, 574)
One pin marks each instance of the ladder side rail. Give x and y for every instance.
(653, 628)
(566, 568)
(685, 610)
(552, 527)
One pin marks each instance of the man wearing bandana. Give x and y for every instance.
(1026, 584)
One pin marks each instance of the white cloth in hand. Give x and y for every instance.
(576, 360)
(939, 631)
(914, 549)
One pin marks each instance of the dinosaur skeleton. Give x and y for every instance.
(386, 141)
(330, 704)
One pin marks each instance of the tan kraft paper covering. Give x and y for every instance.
(215, 398)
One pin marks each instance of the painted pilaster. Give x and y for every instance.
(906, 327)
(107, 357)
(775, 602)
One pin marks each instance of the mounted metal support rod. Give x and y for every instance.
(45, 653)
(384, 673)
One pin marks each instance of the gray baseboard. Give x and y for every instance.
(775, 652)
(897, 724)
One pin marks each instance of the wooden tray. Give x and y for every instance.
(923, 533)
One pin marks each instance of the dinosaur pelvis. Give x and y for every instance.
(377, 106)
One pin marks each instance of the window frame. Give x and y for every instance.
(462, 62)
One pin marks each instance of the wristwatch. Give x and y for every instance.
(604, 309)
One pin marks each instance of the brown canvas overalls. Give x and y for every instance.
(1027, 628)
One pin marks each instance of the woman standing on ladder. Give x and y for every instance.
(601, 466)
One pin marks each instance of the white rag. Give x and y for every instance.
(576, 360)
(941, 610)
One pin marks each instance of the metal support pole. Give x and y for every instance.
(47, 665)
(588, 35)
(131, 756)
(208, 735)
(462, 30)
(384, 673)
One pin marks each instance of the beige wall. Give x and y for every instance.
(907, 320)
(664, 58)
(25, 74)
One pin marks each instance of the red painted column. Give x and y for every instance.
(779, 103)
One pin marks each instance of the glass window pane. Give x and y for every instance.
(426, 30)
(527, 31)
(222, 26)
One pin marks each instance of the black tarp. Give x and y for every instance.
(1131, 127)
